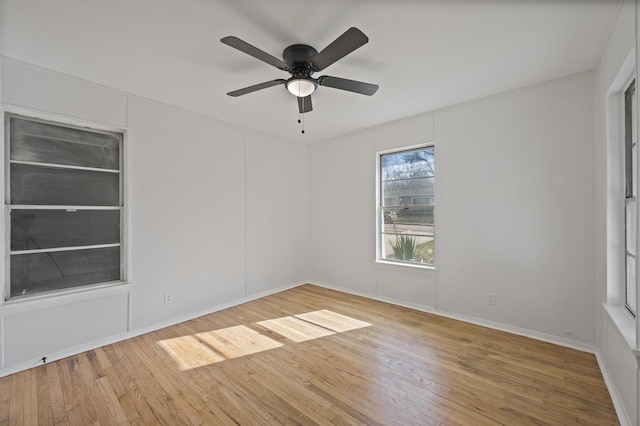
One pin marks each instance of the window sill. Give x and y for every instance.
(36, 302)
(404, 266)
(625, 324)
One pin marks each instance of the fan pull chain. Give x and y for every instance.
(301, 117)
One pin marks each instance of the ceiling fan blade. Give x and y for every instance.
(304, 104)
(247, 48)
(255, 87)
(349, 85)
(349, 41)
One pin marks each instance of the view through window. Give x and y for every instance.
(406, 206)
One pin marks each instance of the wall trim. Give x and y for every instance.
(626, 326)
(618, 404)
(75, 350)
(65, 297)
(549, 338)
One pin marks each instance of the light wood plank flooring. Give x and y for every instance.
(315, 356)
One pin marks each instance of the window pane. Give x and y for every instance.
(48, 143)
(52, 186)
(41, 229)
(629, 140)
(407, 198)
(631, 234)
(36, 273)
(634, 168)
(407, 165)
(631, 301)
(408, 192)
(408, 248)
(413, 221)
(631, 175)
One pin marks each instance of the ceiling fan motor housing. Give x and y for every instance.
(298, 57)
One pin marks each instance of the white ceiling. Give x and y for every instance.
(424, 55)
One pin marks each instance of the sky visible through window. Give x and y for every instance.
(408, 165)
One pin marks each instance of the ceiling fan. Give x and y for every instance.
(301, 61)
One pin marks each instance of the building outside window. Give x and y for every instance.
(63, 207)
(406, 225)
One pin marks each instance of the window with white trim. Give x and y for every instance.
(631, 203)
(406, 226)
(63, 206)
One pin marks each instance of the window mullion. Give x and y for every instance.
(56, 207)
(63, 166)
(57, 249)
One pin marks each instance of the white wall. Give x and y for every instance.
(206, 218)
(514, 200)
(341, 184)
(616, 330)
(276, 212)
(187, 211)
(514, 208)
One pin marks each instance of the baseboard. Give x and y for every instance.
(621, 412)
(549, 338)
(16, 368)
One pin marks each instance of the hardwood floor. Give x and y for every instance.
(315, 356)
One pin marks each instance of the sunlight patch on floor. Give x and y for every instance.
(197, 350)
(295, 329)
(201, 349)
(188, 352)
(333, 321)
(240, 340)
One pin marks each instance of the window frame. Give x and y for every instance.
(8, 114)
(629, 131)
(380, 208)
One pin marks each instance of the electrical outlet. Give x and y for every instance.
(168, 298)
(491, 298)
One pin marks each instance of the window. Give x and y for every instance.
(63, 200)
(631, 192)
(406, 208)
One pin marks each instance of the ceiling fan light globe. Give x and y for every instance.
(301, 87)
